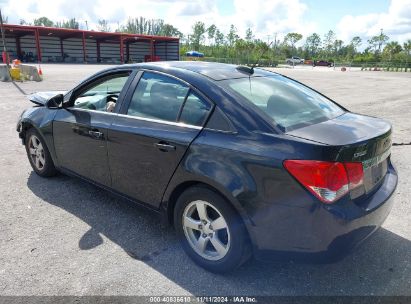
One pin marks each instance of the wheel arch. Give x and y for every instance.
(44, 131)
(172, 194)
(25, 126)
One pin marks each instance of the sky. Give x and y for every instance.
(266, 18)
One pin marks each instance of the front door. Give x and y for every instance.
(147, 142)
(80, 131)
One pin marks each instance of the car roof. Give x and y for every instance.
(213, 70)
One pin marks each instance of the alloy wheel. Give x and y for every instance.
(36, 151)
(206, 230)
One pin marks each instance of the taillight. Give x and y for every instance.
(326, 180)
(355, 174)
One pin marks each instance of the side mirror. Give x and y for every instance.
(55, 102)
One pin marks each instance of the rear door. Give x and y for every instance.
(152, 133)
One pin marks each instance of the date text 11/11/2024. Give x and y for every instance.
(207, 299)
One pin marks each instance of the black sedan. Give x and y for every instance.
(240, 161)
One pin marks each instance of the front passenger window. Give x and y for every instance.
(102, 95)
(158, 97)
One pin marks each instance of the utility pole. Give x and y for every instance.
(380, 42)
(275, 44)
(3, 38)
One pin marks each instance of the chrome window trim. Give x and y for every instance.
(165, 122)
(190, 86)
(87, 84)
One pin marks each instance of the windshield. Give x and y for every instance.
(289, 104)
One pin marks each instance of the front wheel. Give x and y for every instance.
(39, 155)
(210, 230)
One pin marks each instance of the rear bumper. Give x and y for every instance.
(326, 233)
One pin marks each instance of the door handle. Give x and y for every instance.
(165, 147)
(95, 134)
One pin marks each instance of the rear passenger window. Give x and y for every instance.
(158, 97)
(195, 110)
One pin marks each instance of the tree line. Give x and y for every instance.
(44, 21)
(138, 25)
(214, 43)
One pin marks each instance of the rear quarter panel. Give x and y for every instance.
(248, 171)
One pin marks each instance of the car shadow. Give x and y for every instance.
(380, 267)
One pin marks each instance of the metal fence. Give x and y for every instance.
(385, 66)
(237, 61)
(364, 66)
(376, 66)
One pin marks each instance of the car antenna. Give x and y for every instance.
(262, 54)
(250, 70)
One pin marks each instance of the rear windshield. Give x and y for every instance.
(289, 104)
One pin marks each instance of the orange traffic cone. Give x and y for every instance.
(40, 71)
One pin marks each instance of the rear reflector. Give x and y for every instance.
(328, 181)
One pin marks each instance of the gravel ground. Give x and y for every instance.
(62, 236)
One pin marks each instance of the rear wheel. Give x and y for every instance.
(210, 230)
(39, 155)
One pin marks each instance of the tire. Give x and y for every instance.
(38, 154)
(199, 242)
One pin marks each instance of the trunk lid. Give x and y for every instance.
(355, 138)
(343, 130)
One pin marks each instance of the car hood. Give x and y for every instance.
(40, 98)
(346, 129)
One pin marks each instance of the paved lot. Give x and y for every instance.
(62, 236)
